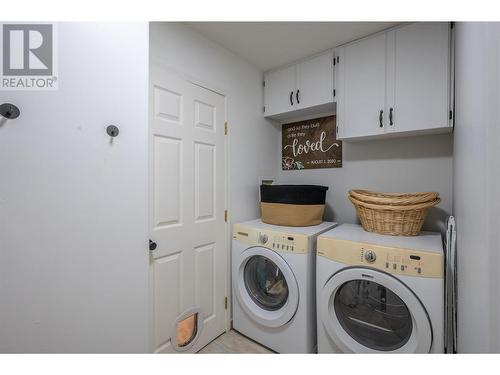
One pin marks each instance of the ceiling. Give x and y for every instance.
(270, 44)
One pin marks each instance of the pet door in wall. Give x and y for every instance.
(187, 329)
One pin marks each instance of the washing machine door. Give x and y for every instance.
(364, 310)
(266, 287)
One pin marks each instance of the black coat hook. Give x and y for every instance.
(112, 130)
(9, 111)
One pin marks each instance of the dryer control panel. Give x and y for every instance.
(277, 241)
(392, 260)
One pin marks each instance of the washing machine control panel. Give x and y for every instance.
(389, 259)
(277, 241)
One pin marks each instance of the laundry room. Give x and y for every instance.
(223, 185)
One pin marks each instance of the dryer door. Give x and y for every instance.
(266, 287)
(364, 310)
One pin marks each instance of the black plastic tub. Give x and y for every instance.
(293, 205)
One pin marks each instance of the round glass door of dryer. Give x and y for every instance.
(373, 315)
(367, 311)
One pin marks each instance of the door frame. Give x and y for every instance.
(227, 200)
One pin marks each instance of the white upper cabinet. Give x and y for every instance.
(279, 91)
(419, 85)
(315, 81)
(300, 88)
(360, 87)
(395, 82)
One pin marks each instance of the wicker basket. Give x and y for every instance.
(393, 199)
(402, 220)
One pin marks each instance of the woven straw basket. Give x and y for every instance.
(394, 217)
(393, 199)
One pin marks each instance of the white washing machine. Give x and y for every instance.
(273, 274)
(380, 294)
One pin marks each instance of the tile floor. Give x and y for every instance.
(233, 342)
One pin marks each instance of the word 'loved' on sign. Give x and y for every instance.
(311, 144)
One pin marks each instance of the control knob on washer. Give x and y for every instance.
(370, 256)
(263, 238)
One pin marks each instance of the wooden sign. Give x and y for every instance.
(311, 144)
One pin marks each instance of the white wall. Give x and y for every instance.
(254, 142)
(476, 183)
(73, 223)
(406, 164)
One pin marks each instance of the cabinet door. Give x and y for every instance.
(315, 81)
(419, 76)
(361, 88)
(279, 91)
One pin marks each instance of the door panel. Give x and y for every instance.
(420, 86)
(166, 272)
(205, 178)
(167, 182)
(167, 105)
(362, 79)
(187, 202)
(315, 81)
(280, 84)
(204, 273)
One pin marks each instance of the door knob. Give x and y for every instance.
(152, 245)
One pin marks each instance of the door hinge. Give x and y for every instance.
(225, 216)
(225, 303)
(225, 128)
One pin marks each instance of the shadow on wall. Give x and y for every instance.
(411, 164)
(429, 147)
(435, 220)
(398, 148)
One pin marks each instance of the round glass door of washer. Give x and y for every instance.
(266, 287)
(265, 283)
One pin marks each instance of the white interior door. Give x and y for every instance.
(187, 203)
(361, 88)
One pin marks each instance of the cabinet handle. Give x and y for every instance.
(380, 118)
(297, 96)
(291, 98)
(390, 116)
